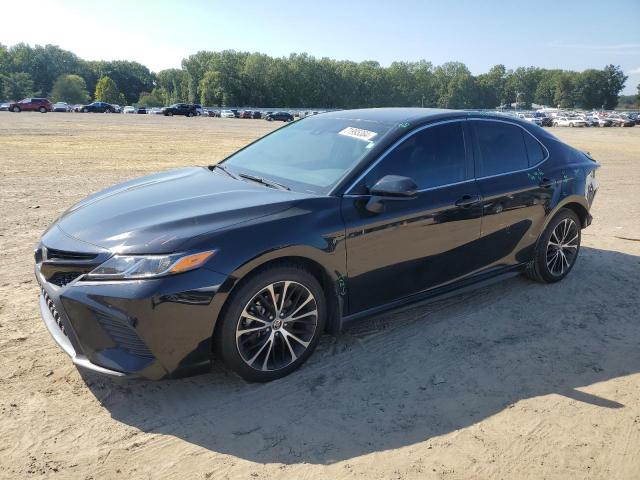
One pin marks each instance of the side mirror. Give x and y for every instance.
(390, 187)
(394, 186)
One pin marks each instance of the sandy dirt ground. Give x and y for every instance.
(513, 381)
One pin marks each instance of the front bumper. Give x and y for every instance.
(154, 329)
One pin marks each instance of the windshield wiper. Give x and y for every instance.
(264, 181)
(224, 169)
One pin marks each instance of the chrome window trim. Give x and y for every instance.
(396, 144)
(517, 125)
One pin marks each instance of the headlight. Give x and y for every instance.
(129, 267)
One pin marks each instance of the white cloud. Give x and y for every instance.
(634, 71)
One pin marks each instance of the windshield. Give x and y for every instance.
(311, 154)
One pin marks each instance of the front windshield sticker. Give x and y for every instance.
(358, 133)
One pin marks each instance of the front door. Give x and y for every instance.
(422, 242)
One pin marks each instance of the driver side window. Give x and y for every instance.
(432, 157)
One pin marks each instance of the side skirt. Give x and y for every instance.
(438, 293)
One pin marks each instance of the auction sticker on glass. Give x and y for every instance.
(358, 133)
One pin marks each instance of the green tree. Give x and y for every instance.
(614, 80)
(174, 83)
(16, 86)
(154, 99)
(564, 91)
(107, 91)
(70, 88)
(211, 91)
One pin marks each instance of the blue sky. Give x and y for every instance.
(555, 34)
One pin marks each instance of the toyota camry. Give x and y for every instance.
(328, 219)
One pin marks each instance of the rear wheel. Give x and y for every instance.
(189, 114)
(272, 323)
(42, 110)
(557, 248)
(169, 114)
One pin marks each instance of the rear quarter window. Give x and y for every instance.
(535, 151)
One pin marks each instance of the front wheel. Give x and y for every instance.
(16, 109)
(557, 248)
(272, 323)
(189, 114)
(84, 110)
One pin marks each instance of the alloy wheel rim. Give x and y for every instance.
(276, 326)
(562, 248)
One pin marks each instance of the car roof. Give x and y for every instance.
(414, 116)
(393, 115)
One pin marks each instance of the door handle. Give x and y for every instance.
(467, 200)
(546, 183)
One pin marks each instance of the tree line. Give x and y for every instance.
(232, 78)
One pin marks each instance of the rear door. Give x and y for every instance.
(423, 242)
(515, 186)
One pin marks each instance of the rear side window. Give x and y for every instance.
(501, 147)
(535, 152)
(432, 157)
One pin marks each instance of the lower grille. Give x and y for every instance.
(52, 309)
(123, 335)
(63, 278)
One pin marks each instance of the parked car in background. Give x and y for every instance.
(256, 114)
(141, 110)
(227, 114)
(185, 109)
(530, 117)
(116, 108)
(279, 116)
(155, 111)
(246, 262)
(61, 107)
(98, 107)
(213, 113)
(4, 107)
(246, 114)
(545, 120)
(236, 113)
(620, 121)
(199, 109)
(129, 109)
(566, 121)
(41, 105)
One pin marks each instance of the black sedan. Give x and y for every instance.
(186, 109)
(98, 107)
(326, 220)
(280, 116)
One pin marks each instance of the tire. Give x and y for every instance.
(269, 119)
(84, 110)
(169, 114)
(270, 352)
(554, 124)
(189, 114)
(544, 266)
(571, 125)
(42, 110)
(16, 109)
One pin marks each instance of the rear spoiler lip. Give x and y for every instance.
(588, 155)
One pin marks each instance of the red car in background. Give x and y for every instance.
(41, 105)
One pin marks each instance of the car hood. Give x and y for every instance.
(158, 213)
